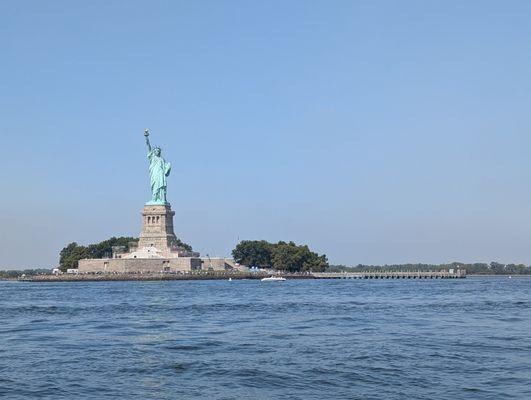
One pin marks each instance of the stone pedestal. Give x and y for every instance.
(157, 250)
(157, 228)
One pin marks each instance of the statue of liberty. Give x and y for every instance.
(159, 169)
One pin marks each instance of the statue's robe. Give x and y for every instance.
(159, 169)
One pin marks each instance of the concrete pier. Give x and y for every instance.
(443, 274)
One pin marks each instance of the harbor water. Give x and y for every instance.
(299, 339)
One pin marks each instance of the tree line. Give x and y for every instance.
(493, 268)
(16, 273)
(73, 252)
(284, 256)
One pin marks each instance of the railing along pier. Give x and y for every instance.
(442, 274)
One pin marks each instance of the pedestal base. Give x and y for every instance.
(157, 228)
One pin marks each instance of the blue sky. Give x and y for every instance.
(373, 131)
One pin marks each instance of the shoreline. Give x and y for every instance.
(240, 275)
(156, 277)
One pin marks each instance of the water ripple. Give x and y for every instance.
(247, 340)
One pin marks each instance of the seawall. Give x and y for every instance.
(225, 275)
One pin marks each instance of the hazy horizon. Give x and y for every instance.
(375, 132)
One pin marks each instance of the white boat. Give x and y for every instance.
(273, 279)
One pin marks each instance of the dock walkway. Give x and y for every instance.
(443, 274)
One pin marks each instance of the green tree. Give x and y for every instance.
(497, 268)
(70, 255)
(185, 246)
(293, 258)
(104, 249)
(281, 256)
(256, 253)
(315, 262)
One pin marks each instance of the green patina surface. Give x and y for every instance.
(159, 170)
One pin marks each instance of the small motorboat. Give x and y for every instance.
(273, 279)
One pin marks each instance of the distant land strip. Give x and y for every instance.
(493, 268)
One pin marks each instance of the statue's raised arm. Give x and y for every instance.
(146, 134)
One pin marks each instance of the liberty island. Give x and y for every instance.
(159, 254)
